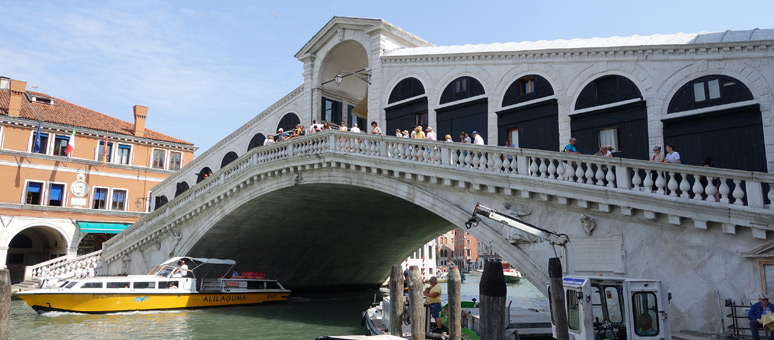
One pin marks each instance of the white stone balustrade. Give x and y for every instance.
(742, 191)
(61, 267)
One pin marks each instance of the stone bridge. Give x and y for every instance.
(337, 209)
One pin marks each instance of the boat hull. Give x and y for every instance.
(112, 303)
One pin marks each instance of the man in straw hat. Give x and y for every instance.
(757, 311)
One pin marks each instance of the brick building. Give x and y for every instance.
(54, 204)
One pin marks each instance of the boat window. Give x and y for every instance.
(92, 285)
(645, 307)
(573, 311)
(63, 284)
(118, 285)
(256, 284)
(596, 305)
(71, 284)
(272, 285)
(169, 284)
(613, 303)
(144, 285)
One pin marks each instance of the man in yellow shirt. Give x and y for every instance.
(433, 294)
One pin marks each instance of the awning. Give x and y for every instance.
(104, 228)
(361, 109)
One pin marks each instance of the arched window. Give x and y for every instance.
(288, 122)
(256, 141)
(709, 91)
(228, 158)
(527, 88)
(203, 174)
(461, 88)
(406, 88)
(181, 188)
(607, 90)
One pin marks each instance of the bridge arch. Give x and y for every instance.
(457, 114)
(288, 122)
(228, 158)
(534, 126)
(343, 73)
(33, 244)
(406, 114)
(203, 174)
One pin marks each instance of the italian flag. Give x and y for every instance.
(70, 145)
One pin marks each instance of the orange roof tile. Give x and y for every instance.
(64, 112)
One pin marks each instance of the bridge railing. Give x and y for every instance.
(723, 187)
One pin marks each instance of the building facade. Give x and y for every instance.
(56, 203)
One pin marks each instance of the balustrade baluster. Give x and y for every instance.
(685, 186)
(672, 185)
(600, 175)
(636, 179)
(454, 158)
(738, 192)
(610, 177)
(543, 168)
(497, 164)
(428, 149)
(569, 171)
(507, 164)
(560, 174)
(724, 190)
(589, 174)
(551, 169)
(698, 189)
(660, 183)
(579, 173)
(533, 168)
(468, 158)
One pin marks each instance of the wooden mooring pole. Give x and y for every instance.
(557, 298)
(455, 303)
(416, 304)
(492, 307)
(396, 301)
(5, 302)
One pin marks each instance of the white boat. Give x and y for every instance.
(511, 275)
(377, 319)
(208, 283)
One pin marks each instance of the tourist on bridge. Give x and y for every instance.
(431, 134)
(477, 140)
(602, 151)
(672, 156)
(448, 138)
(418, 133)
(398, 133)
(433, 294)
(280, 135)
(757, 311)
(315, 127)
(267, 141)
(657, 155)
(375, 130)
(354, 128)
(570, 148)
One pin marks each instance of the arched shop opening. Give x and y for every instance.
(344, 78)
(181, 187)
(467, 115)
(288, 122)
(611, 111)
(256, 141)
(203, 174)
(409, 109)
(228, 158)
(32, 246)
(528, 119)
(731, 135)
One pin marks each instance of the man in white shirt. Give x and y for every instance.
(477, 140)
(430, 135)
(354, 128)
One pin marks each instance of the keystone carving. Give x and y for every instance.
(588, 224)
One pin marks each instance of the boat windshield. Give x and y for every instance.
(164, 270)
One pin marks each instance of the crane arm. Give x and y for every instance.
(550, 236)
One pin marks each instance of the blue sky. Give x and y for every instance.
(204, 68)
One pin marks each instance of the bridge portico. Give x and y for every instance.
(336, 209)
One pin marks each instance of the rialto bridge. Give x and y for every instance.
(337, 209)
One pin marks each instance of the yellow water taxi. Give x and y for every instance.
(170, 285)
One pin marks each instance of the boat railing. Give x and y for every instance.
(61, 267)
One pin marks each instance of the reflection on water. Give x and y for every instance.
(305, 316)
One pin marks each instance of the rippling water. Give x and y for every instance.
(305, 316)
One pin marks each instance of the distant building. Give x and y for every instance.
(446, 248)
(424, 258)
(457, 247)
(53, 204)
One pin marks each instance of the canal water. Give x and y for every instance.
(305, 316)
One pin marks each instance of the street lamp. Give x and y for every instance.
(362, 74)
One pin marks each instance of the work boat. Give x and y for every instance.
(207, 283)
(511, 275)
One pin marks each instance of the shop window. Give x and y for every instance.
(107, 153)
(100, 198)
(42, 148)
(645, 312)
(175, 160)
(158, 159)
(119, 200)
(609, 136)
(60, 145)
(421, 119)
(124, 153)
(34, 193)
(513, 136)
(526, 85)
(331, 111)
(709, 91)
(55, 194)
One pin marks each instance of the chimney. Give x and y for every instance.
(140, 112)
(17, 93)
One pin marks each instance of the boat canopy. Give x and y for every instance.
(198, 260)
(202, 268)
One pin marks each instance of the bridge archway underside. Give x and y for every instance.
(432, 190)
